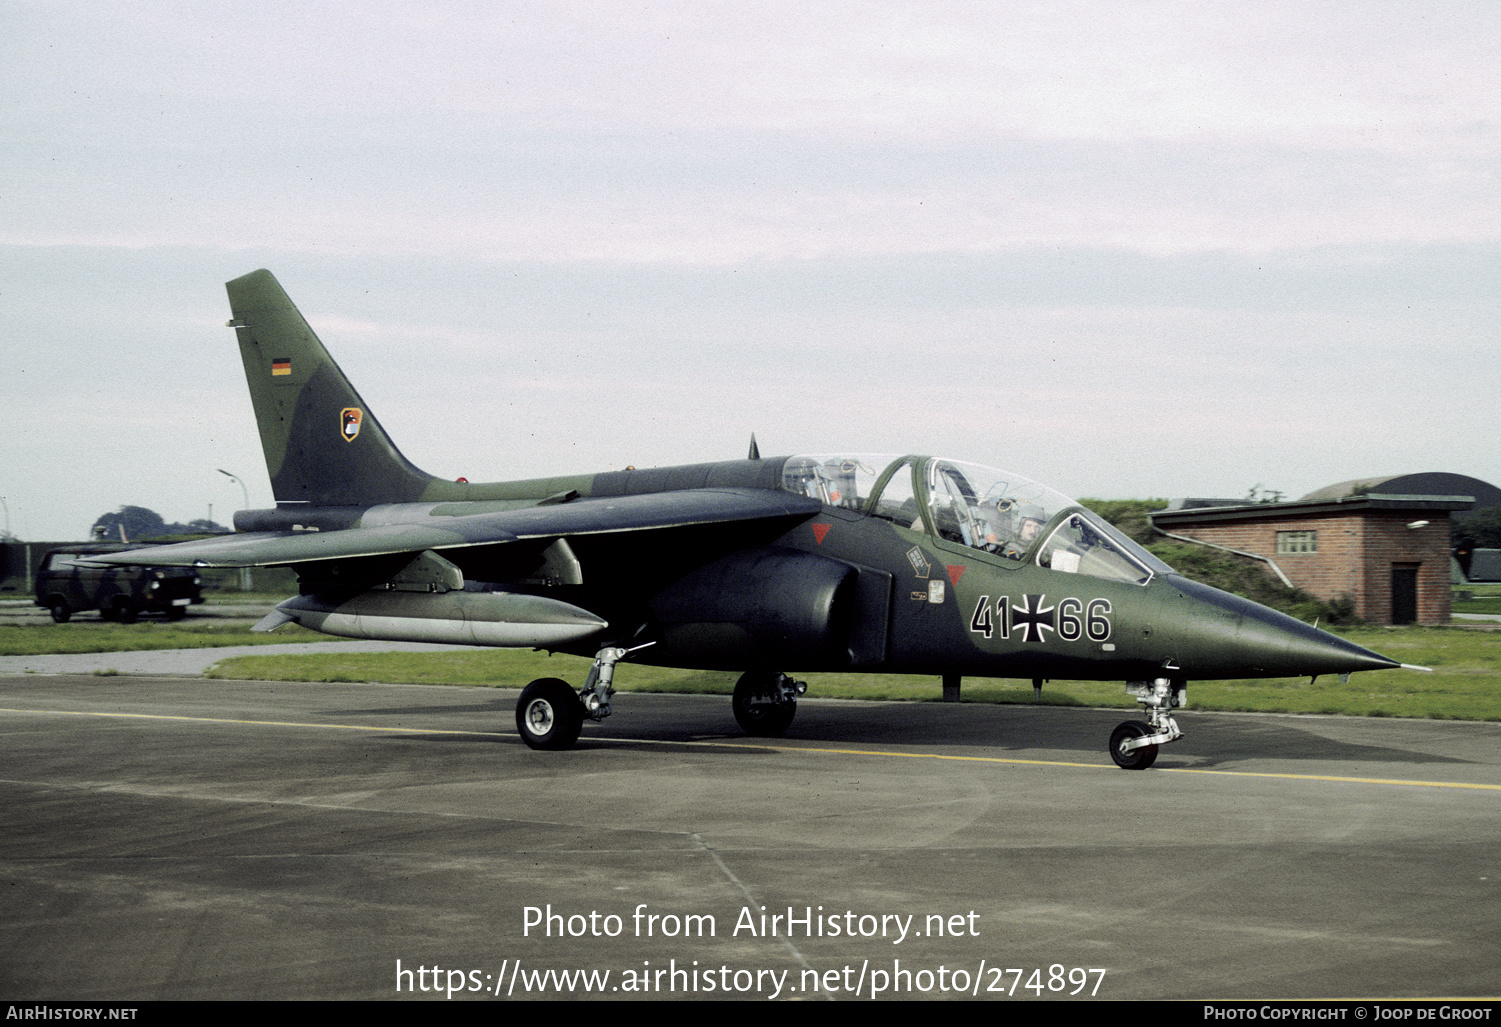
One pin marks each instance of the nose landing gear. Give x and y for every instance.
(1133, 744)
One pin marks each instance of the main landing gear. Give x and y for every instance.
(550, 714)
(1133, 744)
(765, 702)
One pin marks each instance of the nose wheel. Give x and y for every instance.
(1127, 756)
(1133, 744)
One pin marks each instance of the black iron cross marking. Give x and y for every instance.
(1033, 619)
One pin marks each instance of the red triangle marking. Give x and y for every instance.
(820, 530)
(956, 571)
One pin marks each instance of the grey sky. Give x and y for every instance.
(1129, 250)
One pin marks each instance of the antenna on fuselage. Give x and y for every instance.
(755, 450)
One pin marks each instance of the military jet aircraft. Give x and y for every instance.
(813, 562)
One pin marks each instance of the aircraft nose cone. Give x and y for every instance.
(1223, 635)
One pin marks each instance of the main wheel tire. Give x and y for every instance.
(549, 714)
(759, 706)
(125, 611)
(1133, 759)
(61, 614)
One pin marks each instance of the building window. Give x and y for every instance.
(1290, 542)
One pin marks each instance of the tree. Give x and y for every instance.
(1482, 527)
(137, 524)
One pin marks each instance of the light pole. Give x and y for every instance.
(243, 490)
(244, 571)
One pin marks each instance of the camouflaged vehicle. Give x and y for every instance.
(65, 585)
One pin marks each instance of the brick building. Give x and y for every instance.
(1388, 553)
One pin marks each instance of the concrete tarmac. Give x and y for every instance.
(195, 661)
(181, 838)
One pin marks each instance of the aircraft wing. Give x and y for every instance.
(591, 516)
(275, 548)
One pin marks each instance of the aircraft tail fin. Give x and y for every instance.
(322, 444)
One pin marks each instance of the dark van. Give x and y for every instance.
(64, 585)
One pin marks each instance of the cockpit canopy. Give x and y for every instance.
(971, 505)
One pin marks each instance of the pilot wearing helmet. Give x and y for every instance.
(1028, 519)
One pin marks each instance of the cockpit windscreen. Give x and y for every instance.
(981, 507)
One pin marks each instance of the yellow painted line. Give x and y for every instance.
(780, 748)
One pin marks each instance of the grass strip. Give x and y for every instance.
(108, 637)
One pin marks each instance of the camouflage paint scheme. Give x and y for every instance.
(758, 565)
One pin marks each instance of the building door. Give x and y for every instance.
(1404, 593)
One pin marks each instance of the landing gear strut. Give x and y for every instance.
(766, 701)
(1133, 744)
(550, 714)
